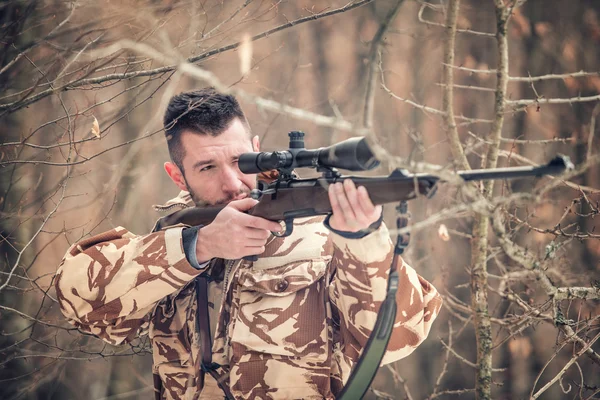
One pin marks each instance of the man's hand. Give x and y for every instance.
(352, 208)
(234, 234)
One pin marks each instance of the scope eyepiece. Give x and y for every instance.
(253, 163)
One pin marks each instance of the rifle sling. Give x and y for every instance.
(206, 364)
(368, 363)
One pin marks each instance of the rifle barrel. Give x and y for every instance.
(557, 165)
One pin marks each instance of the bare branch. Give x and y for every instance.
(552, 76)
(569, 333)
(26, 246)
(372, 75)
(522, 141)
(543, 100)
(458, 392)
(401, 380)
(470, 87)
(231, 17)
(472, 70)
(585, 293)
(479, 278)
(49, 36)
(565, 368)
(448, 106)
(427, 22)
(11, 107)
(595, 113)
(446, 358)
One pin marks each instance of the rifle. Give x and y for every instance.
(288, 198)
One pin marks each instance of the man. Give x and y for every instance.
(287, 326)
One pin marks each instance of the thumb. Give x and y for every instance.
(243, 204)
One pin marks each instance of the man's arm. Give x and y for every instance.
(359, 288)
(362, 256)
(108, 285)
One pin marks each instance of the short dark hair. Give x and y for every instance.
(204, 112)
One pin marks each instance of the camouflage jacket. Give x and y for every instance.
(290, 325)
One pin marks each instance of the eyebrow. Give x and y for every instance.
(202, 162)
(210, 161)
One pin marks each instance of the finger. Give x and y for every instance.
(244, 204)
(252, 221)
(261, 223)
(249, 242)
(366, 204)
(253, 233)
(347, 211)
(256, 250)
(354, 201)
(335, 205)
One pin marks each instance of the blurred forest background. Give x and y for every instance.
(469, 84)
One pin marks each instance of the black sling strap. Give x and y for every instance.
(206, 364)
(368, 363)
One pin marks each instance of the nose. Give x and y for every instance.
(230, 181)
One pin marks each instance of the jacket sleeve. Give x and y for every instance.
(108, 285)
(359, 287)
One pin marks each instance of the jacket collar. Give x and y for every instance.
(183, 200)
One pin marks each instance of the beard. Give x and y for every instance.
(199, 201)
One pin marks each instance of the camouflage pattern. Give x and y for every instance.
(289, 325)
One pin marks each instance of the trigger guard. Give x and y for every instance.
(289, 227)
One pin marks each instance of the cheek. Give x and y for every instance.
(250, 181)
(196, 183)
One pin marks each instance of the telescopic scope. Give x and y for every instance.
(352, 154)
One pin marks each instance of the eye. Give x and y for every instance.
(206, 168)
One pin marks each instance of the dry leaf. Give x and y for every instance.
(443, 233)
(96, 128)
(245, 55)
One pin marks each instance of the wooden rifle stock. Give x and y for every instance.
(305, 198)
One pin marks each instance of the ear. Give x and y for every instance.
(176, 175)
(255, 143)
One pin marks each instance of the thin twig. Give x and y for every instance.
(552, 76)
(595, 113)
(374, 52)
(427, 22)
(542, 100)
(448, 94)
(565, 368)
(17, 105)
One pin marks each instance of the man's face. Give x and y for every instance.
(210, 164)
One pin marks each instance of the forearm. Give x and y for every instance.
(359, 288)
